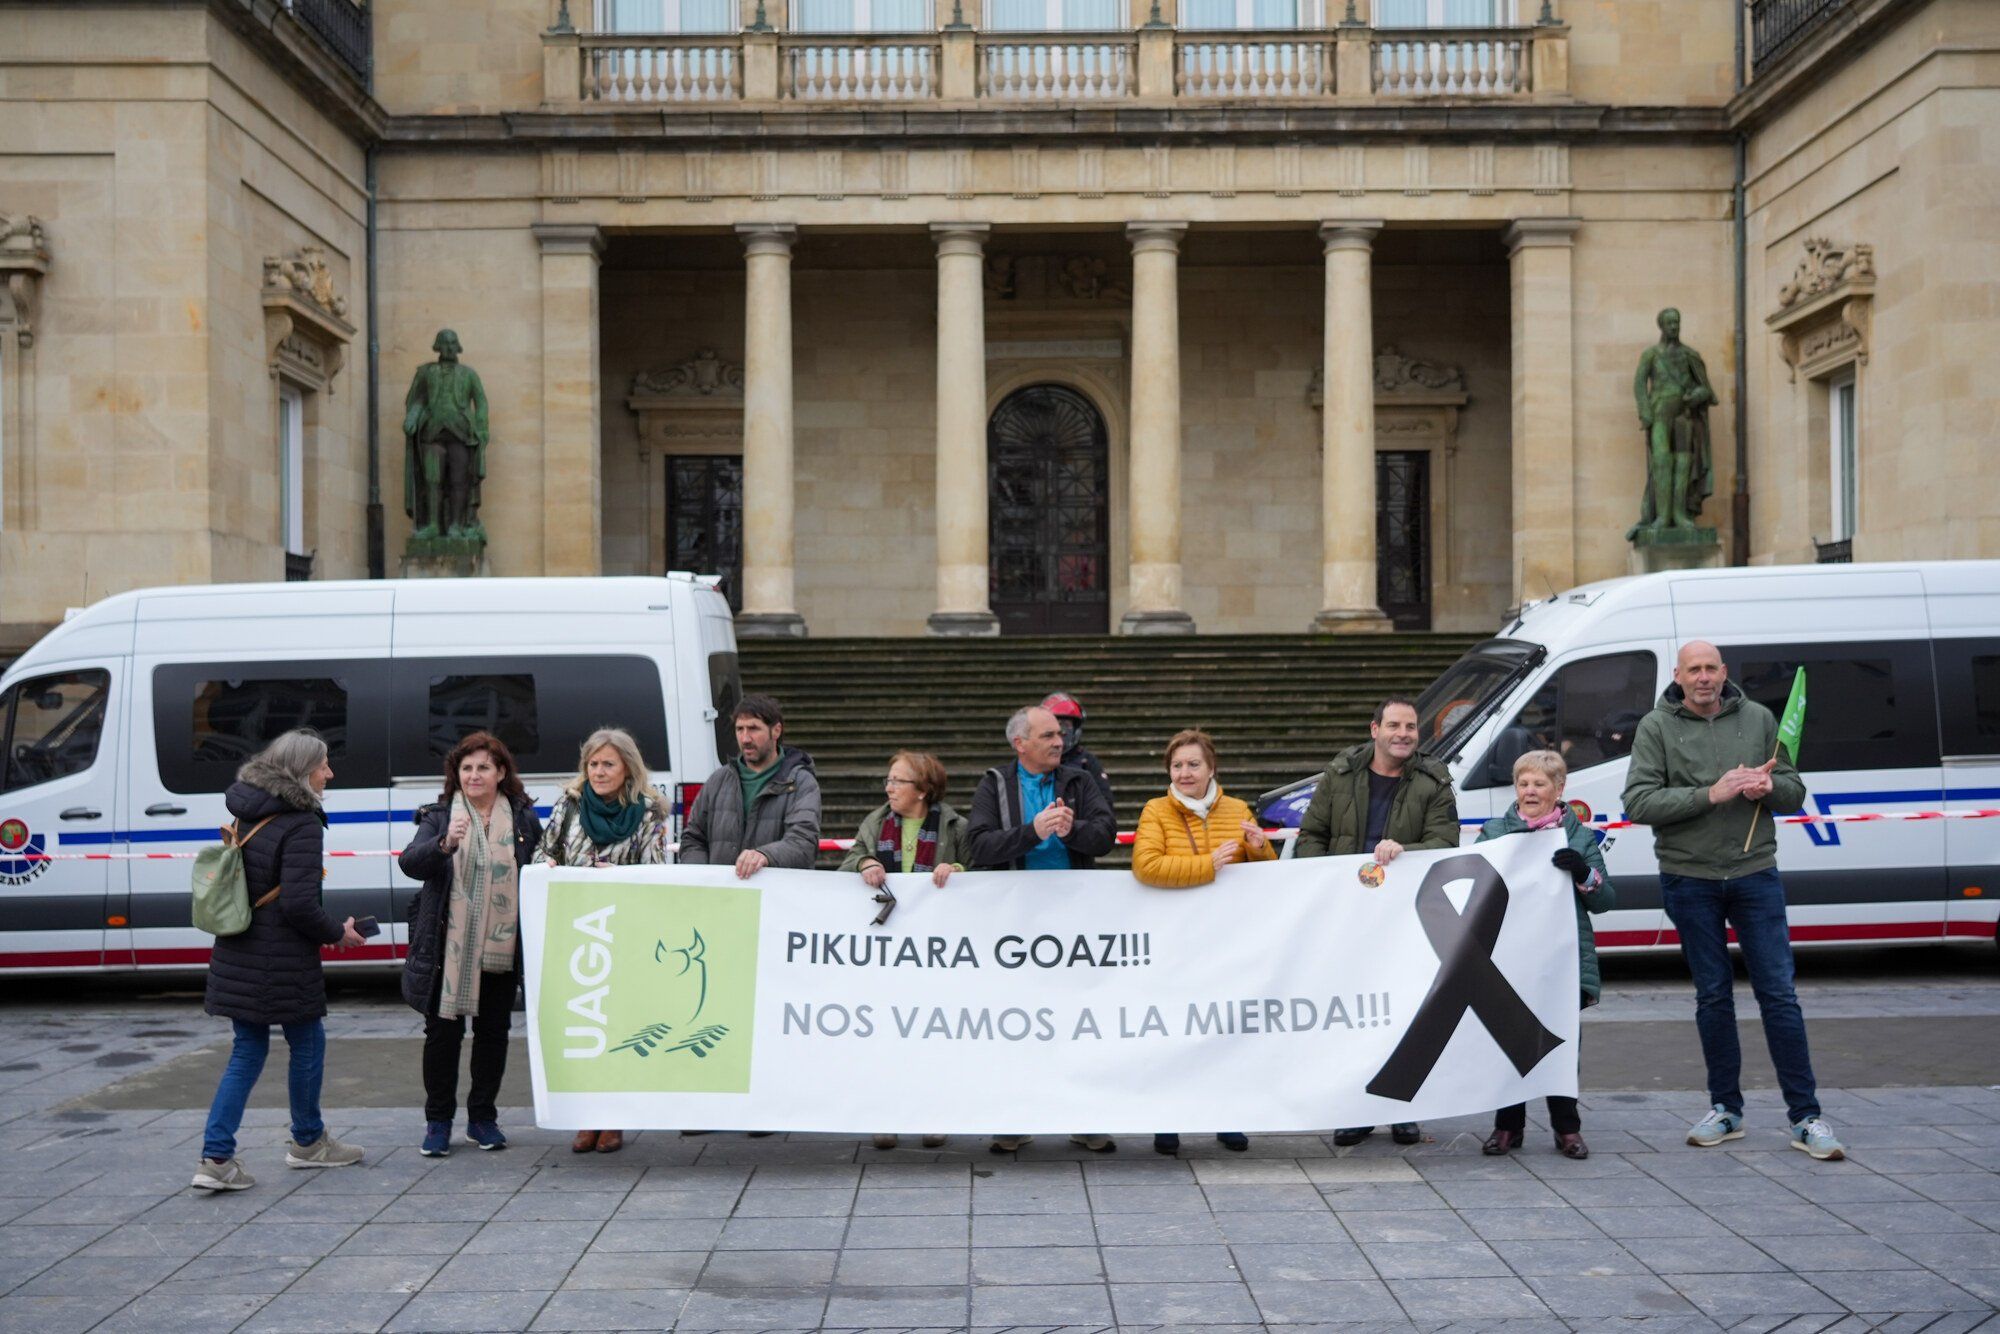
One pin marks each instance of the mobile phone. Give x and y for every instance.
(367, 927)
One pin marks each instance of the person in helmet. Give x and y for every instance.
(1069, 713)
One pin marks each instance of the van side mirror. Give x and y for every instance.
(1510, 745)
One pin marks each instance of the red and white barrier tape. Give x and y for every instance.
(843, 844)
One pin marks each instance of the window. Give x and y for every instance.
(542, 707)
(208, 718)
(1452, 705)
(52, 725)
(1986, 701)
(1445, 13)
(1215, 14)
(1968, 679)
(501, 704)
(861, 16)
(292, 470)
(725, 684)
(1868, 706)
(1055, 15)
(1587, 713)
(1842, 468)
(662, 16)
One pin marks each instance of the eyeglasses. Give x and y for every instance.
(899, 782)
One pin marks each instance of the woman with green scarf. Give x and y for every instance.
(609, 815)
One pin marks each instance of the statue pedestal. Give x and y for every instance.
(446, 565)
(1655, 550)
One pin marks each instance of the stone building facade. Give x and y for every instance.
(1076, 322)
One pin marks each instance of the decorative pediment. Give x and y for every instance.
(24, 258)
(1824, 312)
(1404, 382)
(306, 332)
(704, 374)
(693, 405)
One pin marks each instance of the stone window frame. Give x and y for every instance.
(306, 334)
(692, 407)
(1824, 324)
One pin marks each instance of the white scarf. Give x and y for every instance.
(1201, 805)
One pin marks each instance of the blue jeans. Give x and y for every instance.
(1701, 910)
(246, 1062)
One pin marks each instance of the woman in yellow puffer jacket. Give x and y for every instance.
(1187, 836)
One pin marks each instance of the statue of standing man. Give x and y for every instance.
(1674, 395)
(444, 437)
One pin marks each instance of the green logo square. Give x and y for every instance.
(648, 988)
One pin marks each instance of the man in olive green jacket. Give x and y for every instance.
(1384, 798)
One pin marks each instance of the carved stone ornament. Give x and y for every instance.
(306, 332)
(704, 374)
(1038, 278)
(1401, 378)
(1824, 313)
(694, 406)
(24, 258)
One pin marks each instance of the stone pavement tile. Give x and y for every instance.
(1950, 1250)
(930, 1200)
(1311, 1262)
(928, 1268)
(85, 1209)
(524, 1271)
(884, 1307)
(569, 1239)
(1380, 1195)
(1616, 1193)
(1981, 1283)
(183, 1313)
(1678, 1221)
(1016, 1266)
(1852, 1188)
(657, 1309)
(677, 1204)
(303, 1207)
(1356, 1171)
(768, 1269)
(1042, 1304)
(786, 1234)
(260, 1238)
(1178, 1199)
(1702, 1255)
(636, 1269)
(1798, 1220)
(1248, 1171)
(445, 1239)
(1905, 1162)
(582, 1172)
(1048, 1197)
(1143, 1170)
(369, 1273)
(1170, 1264)
(1264, 1198)
(1752, 1188)
(1467, 1298)
(182, 1237)
(451, 1180)
(414, 1208)
(1955, 1187)
(1901, 1219)
(239, 1275)
(1434, 1259)
(13, 1206)
(1986, 1213)
(1292, 1302)
(1418, 1225)
(1898, 1290)
(1530, 1194)
(312, 1313)
(658, 1234)
(1536, 1259)
(892, 1233)
(1037, 1229)
(1813, 1254)
(566, 1206)
(16, 1270)
(803, 1203)
(810, 1176)
(1729, 1297)
(432, 1312)
(1687, 1162)
(1532, 1225)
(1163, 1229)
(68, 1314)
(1600, 1296)
(89, 1275)
(894, 1175)
(690, 1177)
(1437, 1164)
(1179, 1304)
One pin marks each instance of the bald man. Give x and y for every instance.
(1703, 762)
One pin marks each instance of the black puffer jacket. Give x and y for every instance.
(425, 859)
(271, 973)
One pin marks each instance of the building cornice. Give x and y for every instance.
(1838, 40)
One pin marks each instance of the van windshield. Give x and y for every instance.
(1452, 705)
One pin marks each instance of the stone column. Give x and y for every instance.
(1544, 413)
(1155, 474)
(769, 611)
(1347, 426)
(572, 467)
(962, 581)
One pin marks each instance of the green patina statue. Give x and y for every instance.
(1674, 395)
(444, 460)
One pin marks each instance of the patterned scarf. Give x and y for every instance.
(485, 910)
(889, 845)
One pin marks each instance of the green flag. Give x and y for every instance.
(1793, 725)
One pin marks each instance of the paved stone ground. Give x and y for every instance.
(98, 1230)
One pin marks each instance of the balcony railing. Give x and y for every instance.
(343, 25)
(860, 68)
(708, 68)
(1066, 67)
(1452, 62)
(1228, 64)
(1777, 26)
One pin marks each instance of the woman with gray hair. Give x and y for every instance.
(270, 973)
(609, 815)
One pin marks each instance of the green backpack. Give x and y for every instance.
(221, 890)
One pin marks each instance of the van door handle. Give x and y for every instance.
(80, 813)
(166, 808)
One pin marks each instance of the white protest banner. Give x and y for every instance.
(1285, 996)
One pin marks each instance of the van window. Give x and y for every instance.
(1968, 695)
(500, 703)
(543, 707)
(52, 725)
(208, 718)
(1986, 700)
(1587, 712)
(725, 687)
(1868, 705)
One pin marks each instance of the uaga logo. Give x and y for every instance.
(20, 853)
(648, 988)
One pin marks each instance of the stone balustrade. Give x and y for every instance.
(1051, 67)
(1452, 62)
(1253, 65)
(622, 69)
(867, 68)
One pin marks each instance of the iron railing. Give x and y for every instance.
(1834, 553)
(1777, 26)
(343, 25)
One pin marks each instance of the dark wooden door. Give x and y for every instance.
(1403, 537)
(705, 519)
(1049, 501)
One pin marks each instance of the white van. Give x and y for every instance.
(124, 725)
(1903, 715)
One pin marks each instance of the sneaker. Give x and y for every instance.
(326, 1151)
(1406, 1132)
(1233, 1140)
(1009, 1143)
(437, 1139)
(1815, 1136)
(1167, 1144)
(211, 1175)
(1095, 1143)
(486, 1134)
(1720, 1124)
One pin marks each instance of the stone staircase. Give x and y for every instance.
(1277, 705)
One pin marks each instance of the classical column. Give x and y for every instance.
(1155, 474)
(961, 432)
(769, 611)
(1544, 413)
(1347, 426)
(572, 468)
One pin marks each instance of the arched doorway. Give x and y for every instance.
(1048, 461)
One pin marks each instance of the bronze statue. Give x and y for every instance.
(1674, 395)
(444, 437)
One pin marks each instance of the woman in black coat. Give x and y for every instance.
(270, 973)
(465, 932)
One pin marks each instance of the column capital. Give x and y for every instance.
(768, 238)
(570, 238)
(1349, 233)
(1526, 232)
(1147, 236)
(961, 238)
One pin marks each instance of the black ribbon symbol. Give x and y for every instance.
(1468, 980)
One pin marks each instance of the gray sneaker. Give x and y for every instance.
(211, 1175)
(326, 1151)
(1815, 1136)
(1720, 1124)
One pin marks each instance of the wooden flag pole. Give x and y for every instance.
(1759, 812)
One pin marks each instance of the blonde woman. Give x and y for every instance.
(608, 815)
